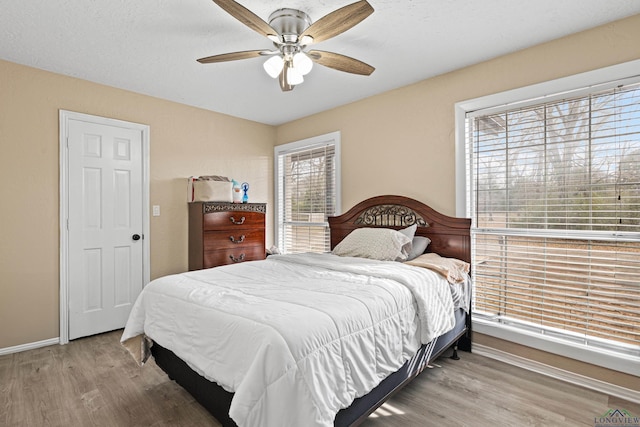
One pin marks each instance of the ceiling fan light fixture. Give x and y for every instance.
(294, 77)
(273, 66)
(302, 63)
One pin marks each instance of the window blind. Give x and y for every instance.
(555, 202)
(307, 196)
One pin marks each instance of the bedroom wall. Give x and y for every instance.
(184, 141)
(403, 141)
(400, 142)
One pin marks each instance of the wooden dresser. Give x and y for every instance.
(225, 233)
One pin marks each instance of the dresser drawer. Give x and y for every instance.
(233, 238)
(232, 220)
(223, 233)
(232, 256)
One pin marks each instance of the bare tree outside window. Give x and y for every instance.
(557, 216)
(309, 196)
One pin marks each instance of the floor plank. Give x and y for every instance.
(478, 391)
(94, 382)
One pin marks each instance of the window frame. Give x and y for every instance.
(570, 86)
(332, 138)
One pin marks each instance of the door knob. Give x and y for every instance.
(136, 237)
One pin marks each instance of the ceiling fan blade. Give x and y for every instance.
(338, 21)
(247, 17)
(233, 56)
(340, 62)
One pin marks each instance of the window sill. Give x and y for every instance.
(596, 356)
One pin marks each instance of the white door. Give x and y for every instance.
(105, 225)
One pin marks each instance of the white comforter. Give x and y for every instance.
(296, 337)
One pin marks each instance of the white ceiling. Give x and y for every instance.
(151, 46)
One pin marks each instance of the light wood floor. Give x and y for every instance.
(94, 382)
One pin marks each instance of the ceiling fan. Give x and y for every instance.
(292, 31)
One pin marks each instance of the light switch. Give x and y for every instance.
(156, 210)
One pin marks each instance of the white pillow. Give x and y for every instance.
(407, 249)
(409, 231)
(418, 246)
(382, 244)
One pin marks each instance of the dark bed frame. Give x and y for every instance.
(449, 236)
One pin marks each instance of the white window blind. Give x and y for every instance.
(307, 195)
(555, 202)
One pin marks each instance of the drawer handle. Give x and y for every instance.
(233, 240)
(233, 220)
(239, 259)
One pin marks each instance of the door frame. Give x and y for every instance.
(65, 117)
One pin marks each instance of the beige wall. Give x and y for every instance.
(402, 142)
(184, 141)
(581, 368)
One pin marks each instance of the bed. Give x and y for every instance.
(449, 238)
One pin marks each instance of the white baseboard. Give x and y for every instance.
(561, 374)
(29, 346)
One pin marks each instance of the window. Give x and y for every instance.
(553, 190)
(307, 192)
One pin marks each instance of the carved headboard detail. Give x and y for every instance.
(450, 236)
(390, 216)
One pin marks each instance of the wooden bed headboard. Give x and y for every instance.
(450, 236)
